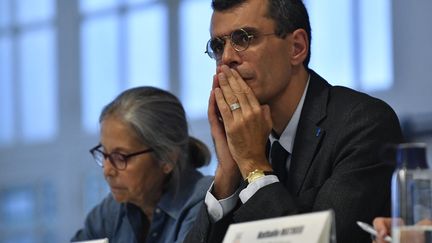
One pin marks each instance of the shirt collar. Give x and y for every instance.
(287, 137)
(177, 194)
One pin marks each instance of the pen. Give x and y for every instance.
(368, 228)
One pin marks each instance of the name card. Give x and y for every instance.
(105, 240)
(312, 228)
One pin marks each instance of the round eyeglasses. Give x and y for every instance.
(239, 39)
(118, 160)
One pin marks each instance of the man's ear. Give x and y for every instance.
(300, 46)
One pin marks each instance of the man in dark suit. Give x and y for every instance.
(267, 102)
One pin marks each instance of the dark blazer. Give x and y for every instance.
(335, 164)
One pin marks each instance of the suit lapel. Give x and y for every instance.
(309, 134)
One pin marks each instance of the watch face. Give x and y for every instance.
(254, 175)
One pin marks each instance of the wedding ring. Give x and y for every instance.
(234, 106)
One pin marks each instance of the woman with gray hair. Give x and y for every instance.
(149, 161)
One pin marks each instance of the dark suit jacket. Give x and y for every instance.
(335, 164)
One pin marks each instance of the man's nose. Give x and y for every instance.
(230, 56)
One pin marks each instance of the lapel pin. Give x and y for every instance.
(318, 132)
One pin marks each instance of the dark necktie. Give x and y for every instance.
(278, 159)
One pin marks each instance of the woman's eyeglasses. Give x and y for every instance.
(118, 160)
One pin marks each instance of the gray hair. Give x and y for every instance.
(159, 121)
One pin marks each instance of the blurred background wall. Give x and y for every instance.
(62, 60)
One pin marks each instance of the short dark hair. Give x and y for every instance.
(288, 15)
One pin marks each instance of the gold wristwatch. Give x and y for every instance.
(256, 174)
